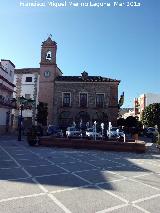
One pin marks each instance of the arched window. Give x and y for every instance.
(49, 55)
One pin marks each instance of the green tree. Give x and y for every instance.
(42, 113)
(132, 121)
(121, 122)
(151, 115)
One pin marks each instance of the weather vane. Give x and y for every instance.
(49, 35)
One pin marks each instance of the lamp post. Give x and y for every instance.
(23, 104)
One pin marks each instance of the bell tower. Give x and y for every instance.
(48, 72)
(48, 52)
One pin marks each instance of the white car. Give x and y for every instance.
(90, 133)
(73, 132)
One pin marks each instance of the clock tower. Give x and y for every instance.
(48, 72)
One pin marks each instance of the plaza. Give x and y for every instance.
(41, 179)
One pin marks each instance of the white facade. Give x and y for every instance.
(143, 101)
(27, 89)
(129, 113)
(27, 84)
(6, 93)
(152, 98)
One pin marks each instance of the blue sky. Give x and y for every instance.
(117, 42)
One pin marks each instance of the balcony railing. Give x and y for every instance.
(8, 102)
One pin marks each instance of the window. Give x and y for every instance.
(47, 73)
(10, 72)
(27, 96)
(66, 99)
(83, 99)
(100, 100)
(49, 55)
(28, 79)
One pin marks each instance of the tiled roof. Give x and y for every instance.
(49, 42)
(88, 79)
(26, 70)
(9, 62)
(69, 78)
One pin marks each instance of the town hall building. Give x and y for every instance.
(85, 98)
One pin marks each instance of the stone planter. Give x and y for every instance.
(129, 146)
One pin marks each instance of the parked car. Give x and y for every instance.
(151, 132)
(73, 132)
(115, 132)
(55, 131)
(90, 133)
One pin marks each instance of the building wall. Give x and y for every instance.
(50, 91)
(110, 91)
(152, 98)
(6, 93)
(9, 68)
(46, 82)
(23, 88)
(46, 88)
(143, 101)
(127, 114)
(27, 88)
(3, 112)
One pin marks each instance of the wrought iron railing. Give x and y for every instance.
(8, 102)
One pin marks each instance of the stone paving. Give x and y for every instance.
(52, 180)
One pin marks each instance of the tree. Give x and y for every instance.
(121, 122)
(151, 115)
(132, 121)
(42, 113)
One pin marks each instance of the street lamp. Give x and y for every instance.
(23, 104)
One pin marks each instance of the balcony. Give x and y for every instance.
(8, 102)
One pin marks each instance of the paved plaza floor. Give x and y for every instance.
(55, 180)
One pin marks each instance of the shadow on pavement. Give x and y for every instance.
(58, 169)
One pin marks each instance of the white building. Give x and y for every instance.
(26, 81)
(6, 94)
(151, 98)
(143, 101)
(126, 112)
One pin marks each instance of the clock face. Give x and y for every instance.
(47, 73)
